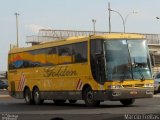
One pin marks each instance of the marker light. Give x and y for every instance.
(114, 86)
(148, 85)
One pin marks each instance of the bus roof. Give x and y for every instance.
(120, 36)
(79, 39)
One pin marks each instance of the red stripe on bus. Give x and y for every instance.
(78, 84)
(21, 82)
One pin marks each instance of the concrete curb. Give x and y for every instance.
(4, 96)
(157, 95)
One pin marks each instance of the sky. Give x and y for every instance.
(72, 15)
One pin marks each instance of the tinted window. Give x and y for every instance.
(52, 56)
(65, 54)
(35, 58)
(80, 52)
(16, 61)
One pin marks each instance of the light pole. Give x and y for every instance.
(130, 13)
(17, 14)
(94, 28)
(123, 20)
(109, 17)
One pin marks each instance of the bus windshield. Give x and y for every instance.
(127, 59)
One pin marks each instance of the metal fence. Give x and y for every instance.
(51, 35)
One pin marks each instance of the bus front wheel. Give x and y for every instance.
(28, 96)
(127, 102)
(89, 98)
(36, 97)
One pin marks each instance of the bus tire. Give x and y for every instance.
(28, 96)
(59, 102)
(89, 98)
(36, 97)
(127, 102)
(72, 101)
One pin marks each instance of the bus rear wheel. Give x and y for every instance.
(28, 96)
(127, 102)
(89, 98)
(36, 97)
(72, 101)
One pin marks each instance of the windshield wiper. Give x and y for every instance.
(140, 72)
(136, 65)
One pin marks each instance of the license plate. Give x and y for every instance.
(133, 92)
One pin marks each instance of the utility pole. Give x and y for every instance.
(94, 28)
(17, 14)
(109, 10)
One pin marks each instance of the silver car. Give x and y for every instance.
(157, 83)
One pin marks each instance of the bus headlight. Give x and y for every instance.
(114, 86)
(148, 85)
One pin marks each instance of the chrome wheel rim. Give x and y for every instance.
(90, 96)
(36, 96)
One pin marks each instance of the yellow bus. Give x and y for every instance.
(93, 68)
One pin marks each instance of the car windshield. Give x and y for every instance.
(127, 59)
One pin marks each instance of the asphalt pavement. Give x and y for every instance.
(109, 110)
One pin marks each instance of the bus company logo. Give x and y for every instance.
(59, 72)
(21, 82)
(79, 85)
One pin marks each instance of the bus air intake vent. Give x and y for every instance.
(127, 86)
(139, 85)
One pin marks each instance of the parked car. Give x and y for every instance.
(157, 83)
(3, 84)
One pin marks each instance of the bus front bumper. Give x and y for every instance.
(119, 94)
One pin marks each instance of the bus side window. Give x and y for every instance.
(52, 56)
(80, 52)
(65, 54)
